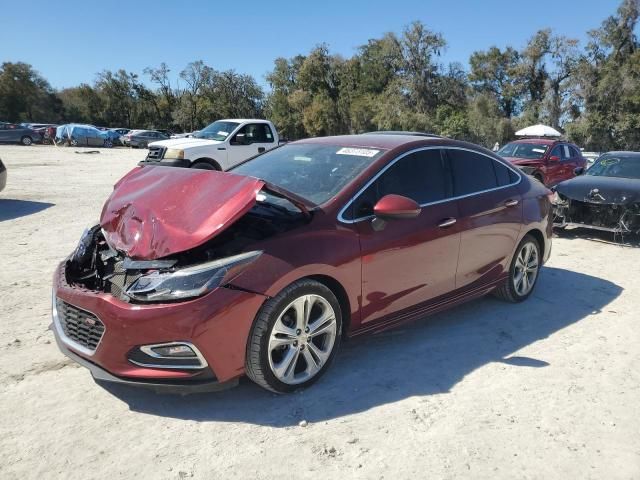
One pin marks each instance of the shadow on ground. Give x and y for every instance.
(627, 240)
(424, 358)
(11, 209)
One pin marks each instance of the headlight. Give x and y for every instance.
(190, 282)
(174, 153)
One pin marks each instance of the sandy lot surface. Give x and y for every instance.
(546, 389)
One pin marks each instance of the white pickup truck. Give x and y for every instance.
(219, 146)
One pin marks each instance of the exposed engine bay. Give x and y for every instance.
(597, 214)
(97, 266)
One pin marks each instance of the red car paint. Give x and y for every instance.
(414, 267)
(553, 166)
(142, 218)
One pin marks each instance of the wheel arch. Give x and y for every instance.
(341, 294)
(538, 235)
(208, 160)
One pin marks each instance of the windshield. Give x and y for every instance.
(313, 172)
(530, 151)
(623, 166)
(217, 131)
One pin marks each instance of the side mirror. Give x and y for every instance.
(578, 170)
(393, 207)
(554, 158)
(240, 139)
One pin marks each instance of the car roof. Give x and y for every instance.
(242, 120)
(544, 141)
(622, 152)
(402, 132)
(376, 140)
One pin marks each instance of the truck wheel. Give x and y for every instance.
(204, 166)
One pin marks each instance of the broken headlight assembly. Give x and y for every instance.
(191, 281)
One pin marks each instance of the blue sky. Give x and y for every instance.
(70, 41)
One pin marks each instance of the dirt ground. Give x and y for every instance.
(545, 389)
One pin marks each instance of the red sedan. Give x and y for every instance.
(194, 278)
(548, 161)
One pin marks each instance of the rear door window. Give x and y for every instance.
(566, 152)
(472, 172)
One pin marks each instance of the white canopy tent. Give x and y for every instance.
(538, 131)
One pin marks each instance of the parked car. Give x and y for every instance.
(591, 157)
(142, 138)
(3, 176)
(14, 133)
(549, 161)
(606, 198)
(219, 146)
(79, 135)
(193, 278)
(47, 132)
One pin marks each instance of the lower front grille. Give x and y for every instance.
(155, 153)
(79, 326)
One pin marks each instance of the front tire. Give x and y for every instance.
(294, 337)
(523, 272)
(26, 140)
(204, 166)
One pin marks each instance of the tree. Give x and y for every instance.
(26, 95)
(188, 113)
(563, 56)
(496, 72)
(420, 46)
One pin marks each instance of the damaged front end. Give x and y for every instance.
(147, 249)
(596, 213)
(96, 266)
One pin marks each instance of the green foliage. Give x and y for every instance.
(394, 82)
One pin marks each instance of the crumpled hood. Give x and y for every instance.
(590, 188)
(521, 162)
(184, 143)
(158, 211)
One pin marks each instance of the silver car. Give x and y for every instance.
(13, 133)
(3, 176)
(142, 138)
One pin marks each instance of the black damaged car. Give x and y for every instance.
(606, 197)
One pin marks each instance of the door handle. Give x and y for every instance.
(511, 203)
(447, 222)
(261, 149)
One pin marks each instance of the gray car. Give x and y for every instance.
(3, 176)
(13, 133)
(142, 138)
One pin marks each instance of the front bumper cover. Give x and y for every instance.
(208, 384)
(166, 162)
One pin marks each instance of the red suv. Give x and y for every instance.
(549, 161)
(194, 278)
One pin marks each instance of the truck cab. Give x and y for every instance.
(219, 146)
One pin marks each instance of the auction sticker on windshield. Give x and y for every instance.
(358, 152)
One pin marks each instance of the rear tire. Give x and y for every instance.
(523, 272)
(539, 177)
(294, 337)
(26, 140)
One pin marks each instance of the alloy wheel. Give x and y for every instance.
(302, 339)
(526, 268)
